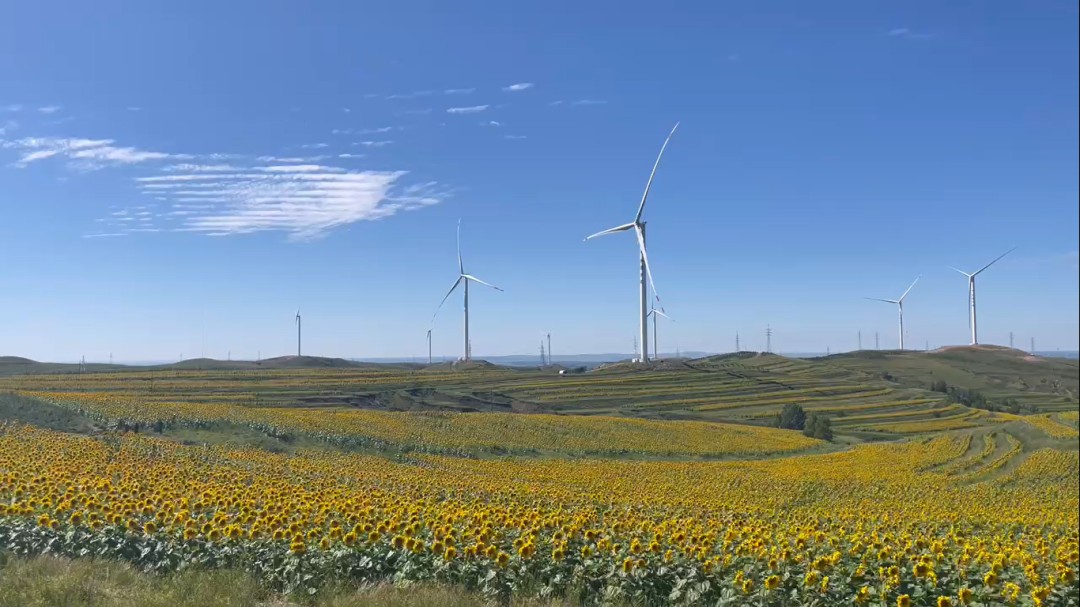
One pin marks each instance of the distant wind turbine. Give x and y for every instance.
(971, 295)
(646, 273)
(656, 347)
(900, 305)
(462, 279)
(429, 346)
(298, 332)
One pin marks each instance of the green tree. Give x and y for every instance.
(792, 417)
(818, 426)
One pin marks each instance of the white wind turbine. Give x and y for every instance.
(298, 332)
(462, 279)
(654, 313)
(646, 273)
(900, 305)
(971, 295)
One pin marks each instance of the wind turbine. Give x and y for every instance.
(646, 273)
(462, 279)
(298, 332)
(429, 346)
(656, 348)
(971, 295)
(900, 305)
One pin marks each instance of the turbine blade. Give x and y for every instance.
(475, 279)
(445, 297)
(648, 185)
(909, 289)
(621, 228)
(645, 256)
(664, 315)
(892, 301)
(958, 270)
(995, 261)
(460, 264)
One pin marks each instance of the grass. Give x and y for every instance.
(48, 581)
(43, 415)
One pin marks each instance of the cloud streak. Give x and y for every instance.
(305, 201)
(473, 109)
(520, 86)
(87, 154)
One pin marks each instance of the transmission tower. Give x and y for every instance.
(860, 340)
(768, 338)
(737, 349)
(543, 359)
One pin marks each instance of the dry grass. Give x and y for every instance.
(54, 582)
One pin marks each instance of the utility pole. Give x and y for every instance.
(82, 364)
(928, 345)
(860, 340)
(877, 341)
(737, 349)
(768, 338)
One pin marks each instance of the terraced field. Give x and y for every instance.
(869, 396)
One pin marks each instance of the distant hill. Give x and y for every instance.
(997, 372)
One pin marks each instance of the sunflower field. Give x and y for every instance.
(902, 523)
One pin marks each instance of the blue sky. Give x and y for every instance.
(179, 178)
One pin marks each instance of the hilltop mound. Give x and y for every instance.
(16, 360)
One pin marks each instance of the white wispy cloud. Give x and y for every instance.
(589, 102)
(411, 95)
(520, 86)
(556, 102)
(903, 32)
(373, 144)
(458, 91)
(134, 108)
(491, 123)
(87, 154)
(304, 201)
(375, 131)
(201, 168)
(300, 159)
(315, 146)
(514, 137)
(467, 110)
(49, 109)
(105, 235)
(347, 155)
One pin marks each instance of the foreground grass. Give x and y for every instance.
(49, 581)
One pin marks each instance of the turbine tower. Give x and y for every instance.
(645, 272)
(653, 312)
(549, 348)
(429, 346)
(297, 332)
(900, 305)
(462, 279)
(971, 295)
